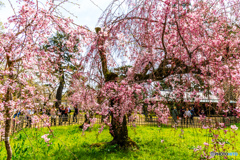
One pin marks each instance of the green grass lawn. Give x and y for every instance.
(69, 143)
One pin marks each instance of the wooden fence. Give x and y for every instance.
(22, 122)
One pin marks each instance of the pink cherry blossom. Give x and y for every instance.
(234, 127)
(221, 124)
(46, 139)
(205, 127)
(206, 144)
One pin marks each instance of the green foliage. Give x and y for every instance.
(70, 142)
(58, 45)
(209, 135)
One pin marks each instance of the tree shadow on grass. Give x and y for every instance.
(102, 150)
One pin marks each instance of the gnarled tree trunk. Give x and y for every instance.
(119, 133)
(7, 134)
(8, 120)
(59, 91)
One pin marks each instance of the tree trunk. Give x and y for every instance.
(7, 136)
(59, 91)
(119, 133)
(8, 121)
(8, 126)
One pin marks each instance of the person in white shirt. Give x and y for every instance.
(187, 115)
(69, 109)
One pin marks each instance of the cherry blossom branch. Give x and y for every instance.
(12, 7)
(163, 32)
(184, 44)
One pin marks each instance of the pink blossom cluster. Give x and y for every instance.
(45, 137)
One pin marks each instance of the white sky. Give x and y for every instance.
(87, 14)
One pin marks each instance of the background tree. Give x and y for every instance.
(22, 58)
(60, 59)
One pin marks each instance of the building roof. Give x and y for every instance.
(188, 96)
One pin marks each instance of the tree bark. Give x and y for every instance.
(119, 133)
(8, 115)
(7, 135)
(59, 91)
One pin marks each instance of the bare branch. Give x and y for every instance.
(184, 44)
(12, 7)
(164, 27)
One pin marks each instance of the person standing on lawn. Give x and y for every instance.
(76, 111)
(69, 109)
(192, 115)
(187, 114)
(182, 111)
(174, 114)
(202, 114)
(66, 114)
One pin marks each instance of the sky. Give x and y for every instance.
(87, 13)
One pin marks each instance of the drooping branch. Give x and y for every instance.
(109, 76)
(135, 18)
(163, 71)
(60, 90)
(164, 28)
(183, 41)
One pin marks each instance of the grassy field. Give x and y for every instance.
(70, 144)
